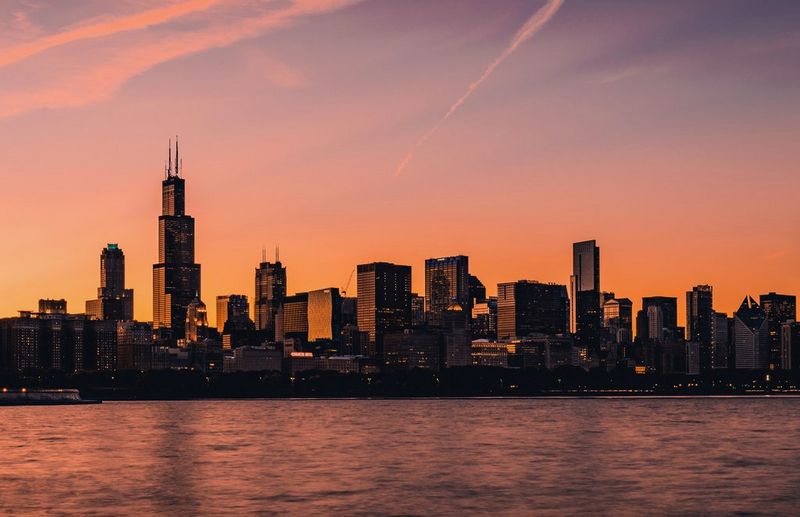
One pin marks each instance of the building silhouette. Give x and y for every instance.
(270, 294)
(700, 321)
(292, 319)
(176, 276)
(233, 308)
(585, 308)
(384, 300)
(618, 319)
(324, 315)
(113, 301)
(751, 336)
(666, 328)
(779, 309)
(447, 280)
(790, 345)
(526, 307)
(721, 335)
(196, 321)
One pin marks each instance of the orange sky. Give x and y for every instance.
(666, 131)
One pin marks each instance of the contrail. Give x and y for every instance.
(531, 27)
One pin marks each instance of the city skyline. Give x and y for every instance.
(668, 188)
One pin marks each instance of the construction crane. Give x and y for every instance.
(347, 285)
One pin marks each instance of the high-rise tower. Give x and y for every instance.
(270, 293)
(446, 281)
(586, 313)
(113, 302)
(176, 277)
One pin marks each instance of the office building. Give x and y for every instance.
(196, 321)
(667, 326)
(586, 310)
(484, 319)
(790, 345)
(384, 300)
(292, 320)
(324, 315)
(113, 301)
(486, 352)
(779, 309)
(526, 307)
(47, 306)
(270, 293)
(699, 321)
(751, 336)
(618, 319)
(446, 282)
(233, 308)
(176, 276)
(417, 310)
(699, 314)
(409, 349)
(477, 291)
(720, 341)
(134, 345)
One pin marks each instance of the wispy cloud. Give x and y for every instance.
(101, 29)
(531, 27)
(103, 69)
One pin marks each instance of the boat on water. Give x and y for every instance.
(26, 397)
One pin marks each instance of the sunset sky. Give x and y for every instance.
(667, 130)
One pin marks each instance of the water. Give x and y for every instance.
(511, 456)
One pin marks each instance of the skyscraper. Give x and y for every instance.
(324, 315)
(176, 277)
(779, 308)
(292, 319)
(667, 329)
(618, 319)
(384, 300)
(270, 293)
(446, 281)
(232, 307)
(751, 336)
(196, 321)
(477, 291)
(790, 345)
(586, 312)
(113, 301)
(699, 314)
(525, 307)
(700, 321)
(720, 341)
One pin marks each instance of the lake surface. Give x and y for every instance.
(428, 457)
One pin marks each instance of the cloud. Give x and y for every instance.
(531, 27)
(101, 29)
(93, 74)
(626, 73)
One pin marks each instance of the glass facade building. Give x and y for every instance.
(779, 309)
(446, 281)
(324, 315)
(270, 293)
(176, 277)
(586, 311)
(384, 300)
(526, 307)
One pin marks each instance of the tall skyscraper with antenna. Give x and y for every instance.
(270, 293)
(176, 277)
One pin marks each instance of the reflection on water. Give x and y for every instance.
(611, 456)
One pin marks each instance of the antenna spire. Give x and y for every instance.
(177, 158)
(277, 253)
(169, 159)
(263, 253)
